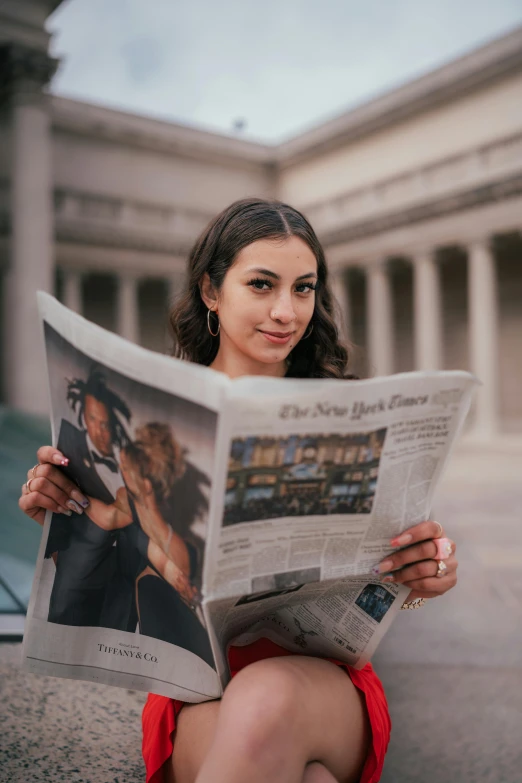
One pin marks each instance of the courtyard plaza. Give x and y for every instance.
(452, 671)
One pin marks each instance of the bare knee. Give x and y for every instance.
(264, 706)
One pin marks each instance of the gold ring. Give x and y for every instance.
(441, 530)
(441, 568)
(28, 483)
(33, 470)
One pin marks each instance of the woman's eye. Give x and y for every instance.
(305, 288)
(260, 285)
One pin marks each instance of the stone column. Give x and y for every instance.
(339, 288)
(72, 290)
(427, 312)
(379, 316)
(23, 74)
(483, 336)
(127, 314)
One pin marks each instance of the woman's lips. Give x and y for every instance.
(277, 337)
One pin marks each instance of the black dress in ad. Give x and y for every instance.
(163, 614)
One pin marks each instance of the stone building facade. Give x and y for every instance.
(416, 196)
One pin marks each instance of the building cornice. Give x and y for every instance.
(114, 224)
(120, 127)
(105, 234)
(122, 239)
(477, 166)
(23, 22)
(489, 193)
(453, 80)
(24, 70)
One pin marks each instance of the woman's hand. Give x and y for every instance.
(171, 572)
(49, 489)
(181, 583)
(415, 564)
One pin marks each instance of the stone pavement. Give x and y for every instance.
(452, 671)
(64, 731)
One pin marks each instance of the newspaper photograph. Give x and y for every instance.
(219, 511)
(130, 564)
(302, 475)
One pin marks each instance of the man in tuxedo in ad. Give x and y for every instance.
(95, 568)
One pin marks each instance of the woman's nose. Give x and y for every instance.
(283, 310)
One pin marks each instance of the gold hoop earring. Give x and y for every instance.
(214, 334)
(307, 335)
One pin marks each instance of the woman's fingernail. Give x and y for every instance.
(79, 498)
(386, 565)
(63, 510)
(74, 507)
(389, 578)
(402, 540)
(59, 459)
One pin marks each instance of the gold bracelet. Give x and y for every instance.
(415, 603)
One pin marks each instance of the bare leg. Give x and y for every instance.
(195, 731)
(276, 718)
(317, 773)
(204, 717)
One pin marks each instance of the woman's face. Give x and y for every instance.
(265, 305)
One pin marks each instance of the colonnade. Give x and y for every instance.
(127, 318)
(428, 321)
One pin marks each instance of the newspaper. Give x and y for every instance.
(222, 511)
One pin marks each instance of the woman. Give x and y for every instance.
(150, 466)
(166, 598)
(257, 302)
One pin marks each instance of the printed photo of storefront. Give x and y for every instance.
(375, 600)
(302, 475)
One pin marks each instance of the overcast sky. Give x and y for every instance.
(282, 65)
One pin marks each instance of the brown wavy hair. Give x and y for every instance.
(158, 457)
(322, 354)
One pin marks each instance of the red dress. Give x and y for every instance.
(159, 713)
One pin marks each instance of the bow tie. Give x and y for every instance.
(109, 462)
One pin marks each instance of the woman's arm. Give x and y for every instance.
(110, 516)
(176, 576)
(164, 536)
